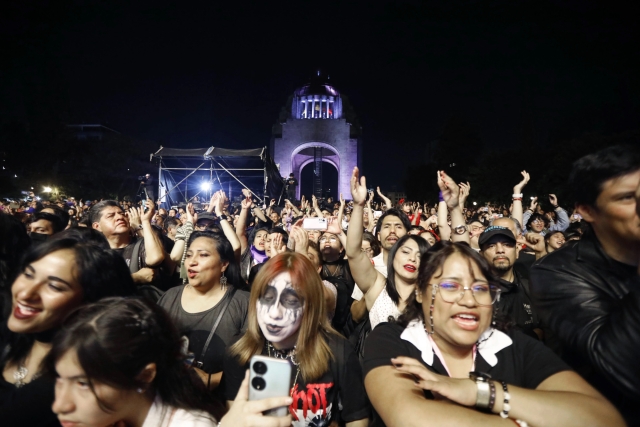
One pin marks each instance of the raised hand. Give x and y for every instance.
(519, 186)
(553, 200)
(534, 204)
(314, 201)
(151, 209)
(333, 226)
(450, 190)
(465, 190)
(300, 238)
(358, 187)
(535, 242)
(134, 218)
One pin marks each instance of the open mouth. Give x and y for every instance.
(22, 311)
(410, 268)
(466, 321)
(191, 273)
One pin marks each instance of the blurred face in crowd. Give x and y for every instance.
(44, 293)
(260, 240)
(41, 226)
(555, 241)
(172, 212)
(366, 248)
(112, 221)
(391, 229)
(269, 243)
(77, 404)
(329, 245)
(280, 311)
(537, 225)
(429, 238)
(476, 228)
(501, 252)
(314, 235)
(614, 215)
(275, 217)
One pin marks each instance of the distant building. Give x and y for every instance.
(315, 127)
(396, 196)
(94, 132)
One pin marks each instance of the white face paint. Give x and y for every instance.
(280, 312)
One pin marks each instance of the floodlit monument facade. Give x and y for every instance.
(317, 126)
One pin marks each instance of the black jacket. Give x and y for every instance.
(592, 303)
(515, 304)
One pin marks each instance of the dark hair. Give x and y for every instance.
(313, 245)
(393, 212)
(170, 222)
(423, 247)
(432, 263)
(61, 213)
(13, 244)
(116, 338)
(534, 217)
(590, 172)
(373, 242)
(101, 273)
(95, 213)
(56, 223)
(548, 236)
(225, 252)
(254, 231)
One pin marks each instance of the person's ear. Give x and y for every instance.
(96, 226)
(588, 212)
(225, 264)
(148, 374)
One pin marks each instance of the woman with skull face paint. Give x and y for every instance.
(288, 320)
(448, 360)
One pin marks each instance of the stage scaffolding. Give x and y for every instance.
(193, 175)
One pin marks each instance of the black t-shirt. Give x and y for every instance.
(344, 283)
(197, 326)
(127, 253)
(525, 363)
(29, 405)
(338, 395)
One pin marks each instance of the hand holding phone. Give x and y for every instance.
(270, 377)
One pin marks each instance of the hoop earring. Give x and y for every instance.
(223, 281)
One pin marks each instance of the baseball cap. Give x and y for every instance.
(495, 230)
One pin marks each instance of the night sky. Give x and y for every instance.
(195, 74)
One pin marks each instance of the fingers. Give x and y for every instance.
(259, 406)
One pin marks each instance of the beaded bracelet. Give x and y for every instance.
(492, 396)
(505, 407)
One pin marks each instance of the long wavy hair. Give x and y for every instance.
(432, 264)
(312, 350)
(116, 338)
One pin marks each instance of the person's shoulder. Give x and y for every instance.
(191, 418)
(242, 296)
(170, 296)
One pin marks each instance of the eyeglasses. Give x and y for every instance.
(484, 293)
(367, 250)
(538, 220)
(330, 239)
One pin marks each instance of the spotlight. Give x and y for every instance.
(475, 203)
(205, 186)
(47, 189)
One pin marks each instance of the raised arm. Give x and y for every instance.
(315, 206)
(451, 196)
(465, 190)
(563, 218)
(387, 201)
(182, 236)
(443, 226)
(218, 206)
(516, 210)
(296, 211)
(241, 225)
(152, 243)
(364, 274)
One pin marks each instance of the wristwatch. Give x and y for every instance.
(483, 399)
(461, 229)
(223, 217)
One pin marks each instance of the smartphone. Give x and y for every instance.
(377, 214)
(315, 224)
(270, 377)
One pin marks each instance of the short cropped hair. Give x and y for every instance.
(590, 172)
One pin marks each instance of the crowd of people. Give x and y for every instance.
(125, 314)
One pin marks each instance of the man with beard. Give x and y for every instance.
(335, 270)
(498, 246)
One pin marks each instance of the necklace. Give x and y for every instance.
(286, 355)
(19, 375)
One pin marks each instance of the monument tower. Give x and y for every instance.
(318, 126)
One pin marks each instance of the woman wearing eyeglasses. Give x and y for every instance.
(449, 361)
